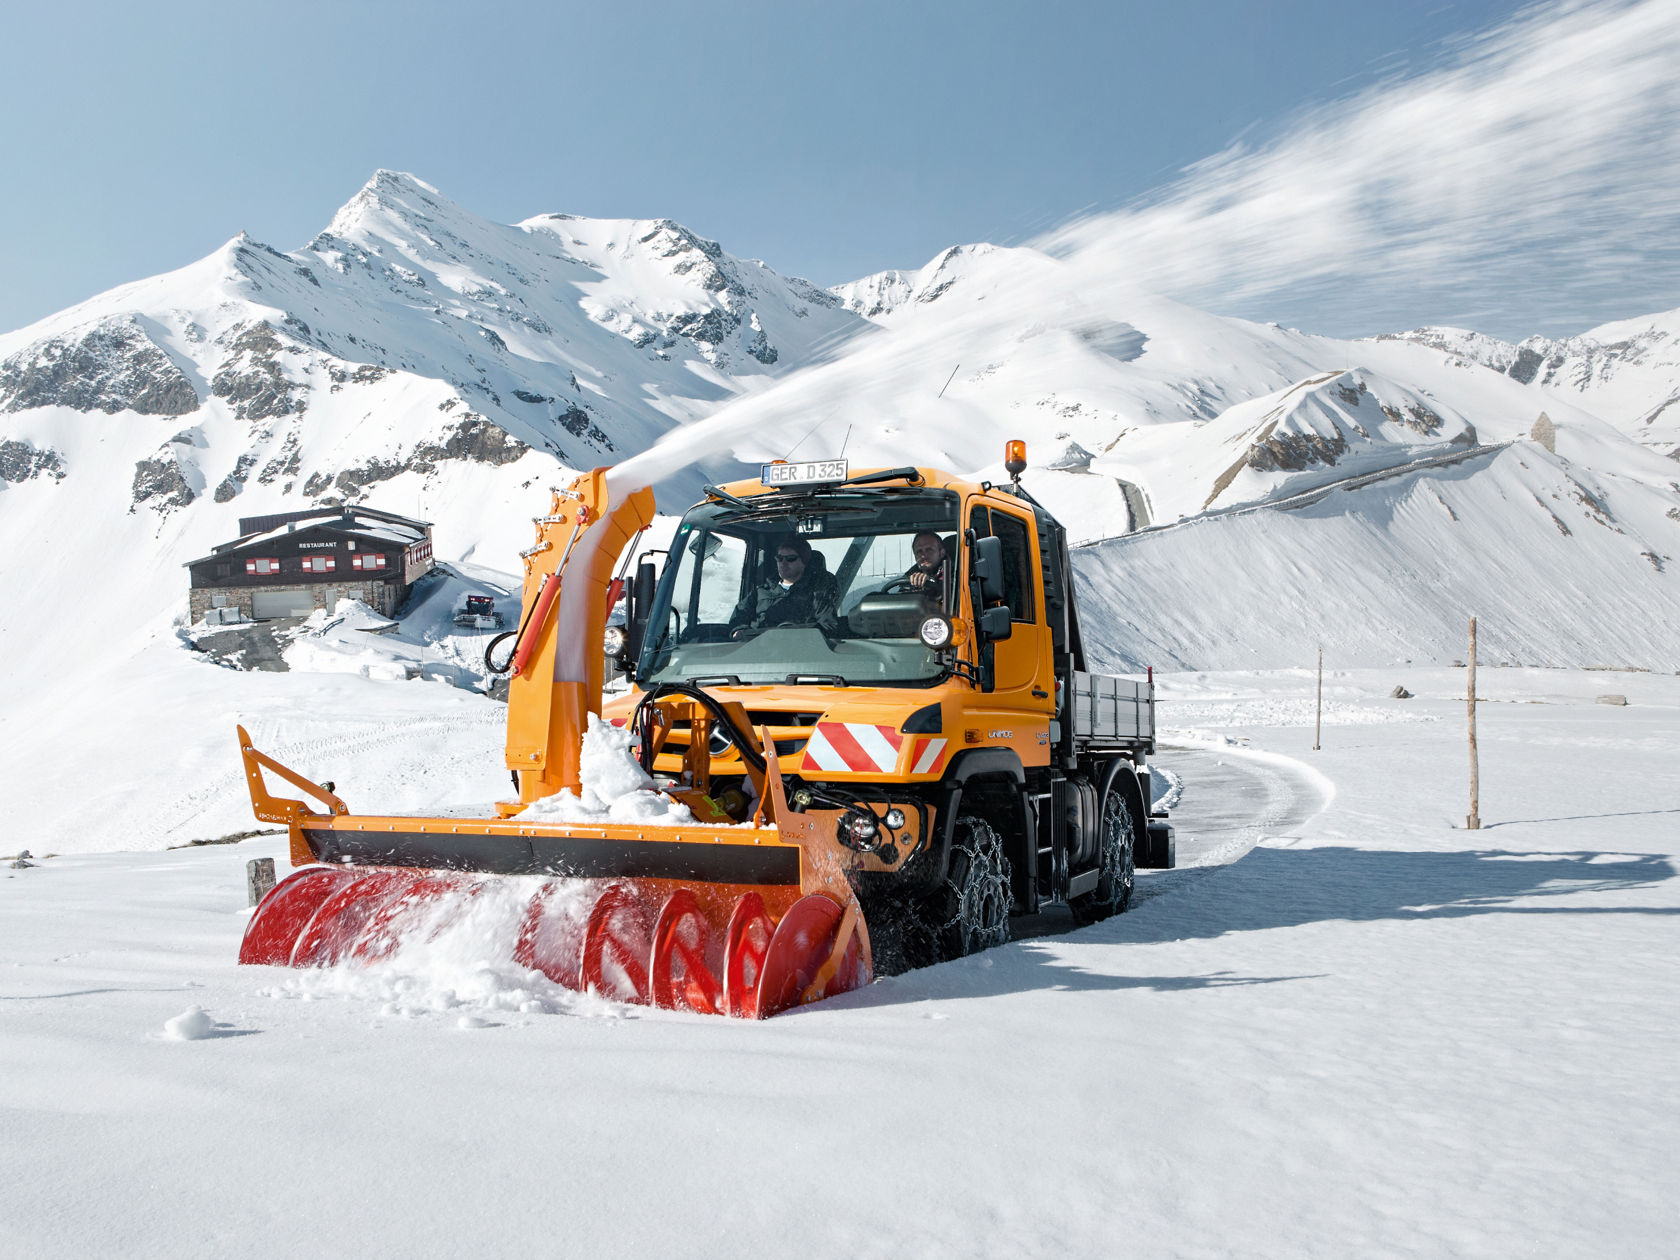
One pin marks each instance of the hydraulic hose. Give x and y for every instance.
(641, 721)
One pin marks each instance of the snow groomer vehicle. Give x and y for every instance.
(864, 734)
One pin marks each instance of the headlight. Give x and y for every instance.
(895, 818)
(936, 631)
(862, 827)
(616, 641)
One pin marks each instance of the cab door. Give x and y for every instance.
(1022, 693)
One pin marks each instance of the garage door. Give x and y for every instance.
(286, 602)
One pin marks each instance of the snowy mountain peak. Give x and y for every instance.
(887, 292)
(389, 193)
(1327, 427)
(412, 349)
(1627, 371)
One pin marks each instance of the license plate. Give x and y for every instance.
(808, 473)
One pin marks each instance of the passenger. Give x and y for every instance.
(803, 592)
(927, 576)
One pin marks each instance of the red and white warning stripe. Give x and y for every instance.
(929, 754)
(854, 746)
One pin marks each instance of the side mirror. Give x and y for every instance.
(641, 606)
(987, 563)
(995, 623)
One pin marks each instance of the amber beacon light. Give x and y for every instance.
(1015, 458)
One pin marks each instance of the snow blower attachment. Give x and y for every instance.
(642, 895)
(852, 692)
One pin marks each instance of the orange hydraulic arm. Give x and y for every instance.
(559, 685)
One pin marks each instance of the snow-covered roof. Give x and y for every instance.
(387, 528)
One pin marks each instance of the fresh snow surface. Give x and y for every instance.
(1358, 1029)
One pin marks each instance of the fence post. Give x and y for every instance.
(259, 878)
(1474, 822)
(1318, 717)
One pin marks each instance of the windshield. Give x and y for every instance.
(814, 588)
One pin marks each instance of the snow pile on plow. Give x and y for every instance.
(614, 785)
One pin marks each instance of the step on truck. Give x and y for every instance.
(864, 696)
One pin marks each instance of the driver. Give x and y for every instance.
(927, 576)
(801, 592)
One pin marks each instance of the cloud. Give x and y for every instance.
(1531, 183)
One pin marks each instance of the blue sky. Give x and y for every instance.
(831, 140)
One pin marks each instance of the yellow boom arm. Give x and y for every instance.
(551, 696)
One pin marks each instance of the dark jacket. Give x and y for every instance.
(812, 600)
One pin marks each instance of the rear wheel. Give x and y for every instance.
(1118, 862)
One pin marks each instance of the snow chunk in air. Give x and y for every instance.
(192, 1024)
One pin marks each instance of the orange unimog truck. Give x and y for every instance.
(980, 772)
(865, 737)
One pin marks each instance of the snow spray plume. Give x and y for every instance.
(1534, 180)
(886, 389)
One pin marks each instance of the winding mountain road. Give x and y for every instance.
(1228, 803)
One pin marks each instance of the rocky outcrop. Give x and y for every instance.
(579, 423)
(251, 378)
(234, 482)
(342, 374)
(472, 438)
(475, 439)
(287, 463)
(1291, 452)
(111, 367)
(696, 256)
(1415, 416)
(708, 328)
(166, 480)
(22, 461)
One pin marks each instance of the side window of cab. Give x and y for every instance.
(1018, 556)
(1017, 565)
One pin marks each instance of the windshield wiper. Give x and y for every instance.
(716, 680)
(734, 500)
(912, 475)
(811, 680)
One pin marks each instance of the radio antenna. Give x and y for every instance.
(947, 384)
(844, 440)
(801, 441)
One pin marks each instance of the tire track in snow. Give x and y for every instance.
(173, 820)
(1233, 799)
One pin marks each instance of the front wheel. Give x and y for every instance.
(1118, 863)
(972, 906)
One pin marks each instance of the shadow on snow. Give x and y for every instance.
(1283, 888)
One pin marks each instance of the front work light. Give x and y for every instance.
(936, 631)
(615, 641)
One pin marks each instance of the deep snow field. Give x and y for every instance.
(1358, 1029)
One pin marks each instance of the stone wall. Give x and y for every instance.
(383, 597)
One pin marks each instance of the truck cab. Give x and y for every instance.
(907, 642)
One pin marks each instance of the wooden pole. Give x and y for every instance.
(259, 878)
(1474, 822)
(1318, 718)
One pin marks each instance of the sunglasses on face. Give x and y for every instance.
(787, 557)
